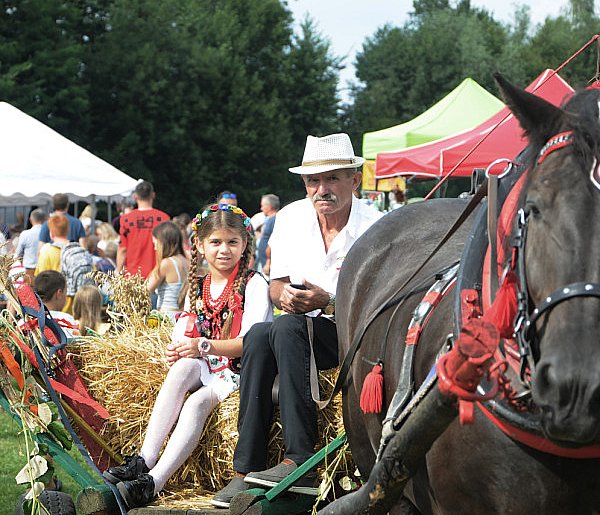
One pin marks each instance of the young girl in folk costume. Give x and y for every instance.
(170, 274)
(224, 305)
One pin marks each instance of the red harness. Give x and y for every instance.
(512, 355)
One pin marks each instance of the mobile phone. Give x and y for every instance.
(298, 286)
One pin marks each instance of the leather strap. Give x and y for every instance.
(492, 227)
(314, 373)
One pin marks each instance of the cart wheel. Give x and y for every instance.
(57, 503)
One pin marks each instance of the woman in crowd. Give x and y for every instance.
(169, 277)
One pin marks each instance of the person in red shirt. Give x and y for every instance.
(136, 253)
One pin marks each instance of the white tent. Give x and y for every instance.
(36, 162)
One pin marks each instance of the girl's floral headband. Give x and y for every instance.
(197, 221)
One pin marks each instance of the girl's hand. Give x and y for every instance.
(188, 348)
(172, 355)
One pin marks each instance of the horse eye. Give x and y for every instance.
(532, 208)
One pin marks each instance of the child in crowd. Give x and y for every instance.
(170, 274)
(51, 286)
(87, 310)
(224, 304)
(108, 257)
(106, 232)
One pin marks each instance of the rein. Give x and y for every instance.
(525, 324)
(393, 299)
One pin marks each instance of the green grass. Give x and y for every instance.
(12, 459)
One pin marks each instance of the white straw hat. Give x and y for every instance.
(327, 153)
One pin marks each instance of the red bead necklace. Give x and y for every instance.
(212, 306)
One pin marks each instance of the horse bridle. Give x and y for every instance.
(525, 324)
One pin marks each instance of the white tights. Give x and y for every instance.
(183, 377)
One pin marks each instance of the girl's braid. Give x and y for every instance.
(193, 278)
(237, 284)
(244, 266)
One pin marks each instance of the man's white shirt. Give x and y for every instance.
(298, 250)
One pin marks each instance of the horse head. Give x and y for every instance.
(561, 252)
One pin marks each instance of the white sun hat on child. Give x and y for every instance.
(327, 153)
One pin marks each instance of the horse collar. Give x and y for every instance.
(561, 140)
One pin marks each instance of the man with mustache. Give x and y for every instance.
(310, 240)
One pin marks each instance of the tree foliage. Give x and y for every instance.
(209, 96)
(401, 71)
(220, 94)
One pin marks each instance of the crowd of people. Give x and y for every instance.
(218, 276)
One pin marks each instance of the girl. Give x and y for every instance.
(87, 310)
(106, 232)
(224, 304)
(171, 271)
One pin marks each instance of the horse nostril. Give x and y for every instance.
(594, 405)
(543, 378)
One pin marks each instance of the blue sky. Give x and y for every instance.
(346, 23)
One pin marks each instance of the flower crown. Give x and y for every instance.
(197, 221)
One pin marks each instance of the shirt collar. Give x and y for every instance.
(354, 220)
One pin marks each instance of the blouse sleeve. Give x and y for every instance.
(257, 303)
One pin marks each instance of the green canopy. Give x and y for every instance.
(465, 107)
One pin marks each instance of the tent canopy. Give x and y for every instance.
(463, 108)
(36, 162)
(505, 140)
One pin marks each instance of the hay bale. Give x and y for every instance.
(124, 371)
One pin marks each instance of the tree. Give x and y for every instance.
(403, 71)
(205, 96)
(41, 63)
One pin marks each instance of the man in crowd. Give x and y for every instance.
(309, 243)
(136, 252)
(226, 197)
(27, 247)
(125, 206)
(60, 203)
(269, 205)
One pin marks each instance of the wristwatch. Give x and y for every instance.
(204, 346)
(330, 308)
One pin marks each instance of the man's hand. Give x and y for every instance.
(298, 301)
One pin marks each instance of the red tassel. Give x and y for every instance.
(371, 397)
(503, 311)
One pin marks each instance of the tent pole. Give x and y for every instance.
(93, 224)
(109, 209)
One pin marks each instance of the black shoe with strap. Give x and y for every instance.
(223, 497)
(138, 492)
(133, 467)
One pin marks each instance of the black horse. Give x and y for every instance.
(477, 468)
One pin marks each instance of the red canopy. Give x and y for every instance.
(504, 140)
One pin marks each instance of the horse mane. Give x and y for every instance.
(583, 111)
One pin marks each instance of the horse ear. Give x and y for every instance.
(537, 117)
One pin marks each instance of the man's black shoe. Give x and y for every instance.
(223, 497)
(138, 492)
(306, 485)
(131, 469)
